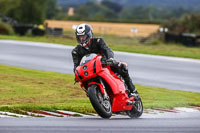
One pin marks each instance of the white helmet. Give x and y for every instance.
(82, 30)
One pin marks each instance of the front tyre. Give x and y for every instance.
(137, 109)
(102, 105)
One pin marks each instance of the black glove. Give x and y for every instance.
(111, 62)
(103, 60)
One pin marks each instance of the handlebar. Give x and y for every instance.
(109, 62)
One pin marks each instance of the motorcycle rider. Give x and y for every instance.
(89, 44)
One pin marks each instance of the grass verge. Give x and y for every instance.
(125, 44)
(29, 90)
(48, 39)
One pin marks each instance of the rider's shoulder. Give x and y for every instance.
(76, 49)
(98, 39)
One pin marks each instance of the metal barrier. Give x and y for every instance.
(187, 39)
(54, 31)
(22, 29)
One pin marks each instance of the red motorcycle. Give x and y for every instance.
(106, 90)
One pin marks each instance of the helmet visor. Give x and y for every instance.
(82, 38)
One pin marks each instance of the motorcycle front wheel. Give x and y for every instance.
(102, 105)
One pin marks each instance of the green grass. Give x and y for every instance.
(48, 39)
(117, 43)
(28, 90)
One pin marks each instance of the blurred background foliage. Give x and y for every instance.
(28, 11)
(177, 15)
(6, 29)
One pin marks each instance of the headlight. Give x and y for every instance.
(86, 73)
(85, 68)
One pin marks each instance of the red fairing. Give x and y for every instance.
(100, 85)
(80, 73)
(119, 95)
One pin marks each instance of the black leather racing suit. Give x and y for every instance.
(98, 46)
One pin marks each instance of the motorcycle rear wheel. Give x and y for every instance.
(102, 106)
(137, 109)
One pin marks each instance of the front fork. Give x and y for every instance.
(101, 86)
(105, 93)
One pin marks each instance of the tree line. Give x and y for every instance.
(188, 23)
(36, 11)
(114, 12)
(28, 11)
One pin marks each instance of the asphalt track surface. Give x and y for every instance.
(158, 71)
(165, 72)
(168, 123)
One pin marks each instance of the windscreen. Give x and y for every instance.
(87, 58)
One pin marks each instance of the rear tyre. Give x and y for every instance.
(102, 105)
(137, 109)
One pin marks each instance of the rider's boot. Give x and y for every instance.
(128, 81)
(131, 87)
